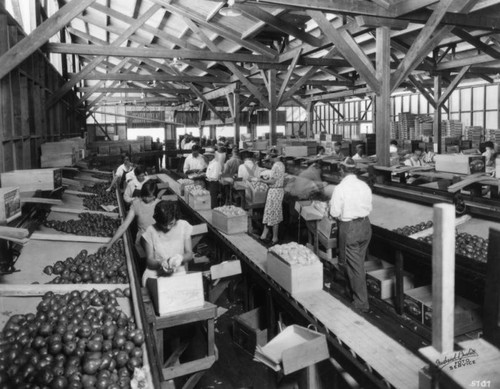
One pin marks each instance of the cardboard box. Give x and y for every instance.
(183, 185)
(234, 224)
(199, 202)
(382, 283)
(179, 292)
(293, 349)
(10, 204)
(467, 316)
(225, 269)
(295, 278)
(460, 164)
(249, 330)
(31, 180)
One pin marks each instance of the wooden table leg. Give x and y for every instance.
(211, 336)
(399, 301)
(159, 345)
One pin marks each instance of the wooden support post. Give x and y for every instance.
(273, 101)
(310, 112)
(443, 278)
(383, 99)
(437, 113)
(236, 104)
(399, 283)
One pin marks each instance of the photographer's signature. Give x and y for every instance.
(458, 359)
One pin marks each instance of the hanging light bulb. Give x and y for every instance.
(230, 10)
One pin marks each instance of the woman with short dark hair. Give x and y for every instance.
(141, 210)
(167, 242)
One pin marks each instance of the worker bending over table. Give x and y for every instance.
(167, 242)
(134, 186)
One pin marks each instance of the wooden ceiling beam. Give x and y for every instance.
(422, 44)
(132, 76)
(480, 59)
(146, 27)
(28, 45)
(476, 42)
(349, 49)
(220, 30)
(96, 61)
(403, 7)
(280, 24)
(232, 67)
(341, 94)
(453, 85)
(421, 88)
(207, 103)
(154, 52)
(288, 75)
(358, 7)
(465, 20)
(128, 89)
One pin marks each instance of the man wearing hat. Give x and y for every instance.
(212, 177)
(351, 203)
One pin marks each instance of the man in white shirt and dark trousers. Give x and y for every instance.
(212, 177)
(351, 203)
(194, 163)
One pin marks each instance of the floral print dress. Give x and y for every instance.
(273, 210)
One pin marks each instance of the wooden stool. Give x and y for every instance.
(171, 368)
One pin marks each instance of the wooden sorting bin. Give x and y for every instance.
(460, 164)
(249, 330)
(233, 224)
(295, 278)
(415, 300)
(381, 283)
(293, 349)
(31, 180)
(10, 204)
(175, 293)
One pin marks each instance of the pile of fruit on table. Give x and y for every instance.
(103, 267)
(410, 230)
(468, 245)
(103, 197)
(80, 339)
(89, 224)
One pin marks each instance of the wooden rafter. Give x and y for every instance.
(288, 75)
(222, 31)
(96, 61)
(154, 52)
(132, 76)
(41, 35)
(207, 103)
(480, 59)
(135, 89)
(232, 67)
(421, 45)
(349, 49)
(477, 43)
(281, 25)
(456, 80)
(422, 90)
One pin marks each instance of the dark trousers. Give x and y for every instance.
(214, 188)
(354, 237)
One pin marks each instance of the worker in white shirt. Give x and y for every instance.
(121, 171)
(351, 203)
(360, 152)
(212, 177)
(490, 156)
(393, 147)
(249, 168)
(415, 159)
(134, 186)
(194, 163)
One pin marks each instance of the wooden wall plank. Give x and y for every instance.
(15, 95)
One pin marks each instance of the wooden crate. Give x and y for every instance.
(460, 164)
(103, 150)
(295, 278)
(31, 180)
(381, 283)
(328, 227)
(261, 145)
(296, 151)
(230, 224)
(415, 300)
(178, 292)
(199, 202)
(225, 269)
(10, 204)
(58, 160)
(115, 150)
(249, 330)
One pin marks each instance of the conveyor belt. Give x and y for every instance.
(384, 355)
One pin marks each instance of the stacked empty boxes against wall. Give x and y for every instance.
(475, 135)
(451, 133)
(423, 126)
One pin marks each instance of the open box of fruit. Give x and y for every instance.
(76, 339)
